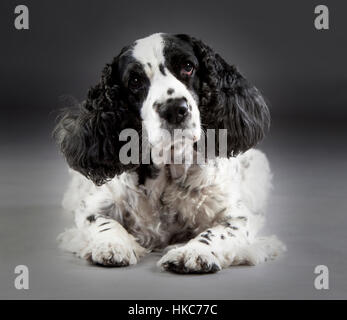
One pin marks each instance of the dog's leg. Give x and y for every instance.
(233, 240)
(102, 241)
(221, 246)
(98, 236)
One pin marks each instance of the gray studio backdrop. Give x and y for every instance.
(301, 71)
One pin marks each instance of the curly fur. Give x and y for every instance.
(89, 134)
(229, 101)
(127, 210)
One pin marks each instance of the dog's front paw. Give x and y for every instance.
(191, 258)
(114, 249)
(112, 254)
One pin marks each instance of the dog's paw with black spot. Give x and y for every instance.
(191, 258)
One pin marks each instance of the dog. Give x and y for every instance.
(205, 216)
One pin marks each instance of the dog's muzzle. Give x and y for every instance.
(175, 111)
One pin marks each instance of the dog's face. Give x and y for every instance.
(158, 74)
(162, 82)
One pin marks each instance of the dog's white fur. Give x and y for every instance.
(231, 190)
(217, 207)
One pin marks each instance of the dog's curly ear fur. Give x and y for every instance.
(228, 100)
(88, 135)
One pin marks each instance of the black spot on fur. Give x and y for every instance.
(91, 218)
(206, 236)
(149, 65)
(170, 91)
(222, 237)
(204, 241)
(105, 229)
(162, 69)
(103, 224)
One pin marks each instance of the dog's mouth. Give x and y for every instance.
(188, 130)
(175, 148)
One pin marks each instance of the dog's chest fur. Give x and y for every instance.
(177, 204)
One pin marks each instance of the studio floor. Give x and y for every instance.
(307, 211)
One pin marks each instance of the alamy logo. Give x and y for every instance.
(21, 21)
(322, 280)
(177, 147)
(321, 22)
(22, 280)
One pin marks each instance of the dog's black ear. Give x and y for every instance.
(228, 100)
(88, 135)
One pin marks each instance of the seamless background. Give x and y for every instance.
(300, 70)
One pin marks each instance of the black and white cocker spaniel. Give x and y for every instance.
(206, 215)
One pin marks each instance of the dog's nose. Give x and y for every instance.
(175, 111)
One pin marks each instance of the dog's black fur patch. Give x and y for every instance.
(88, 135)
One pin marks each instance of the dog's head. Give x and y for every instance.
(162, 82)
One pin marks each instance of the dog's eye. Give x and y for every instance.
(187, 68)
(135, 82)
